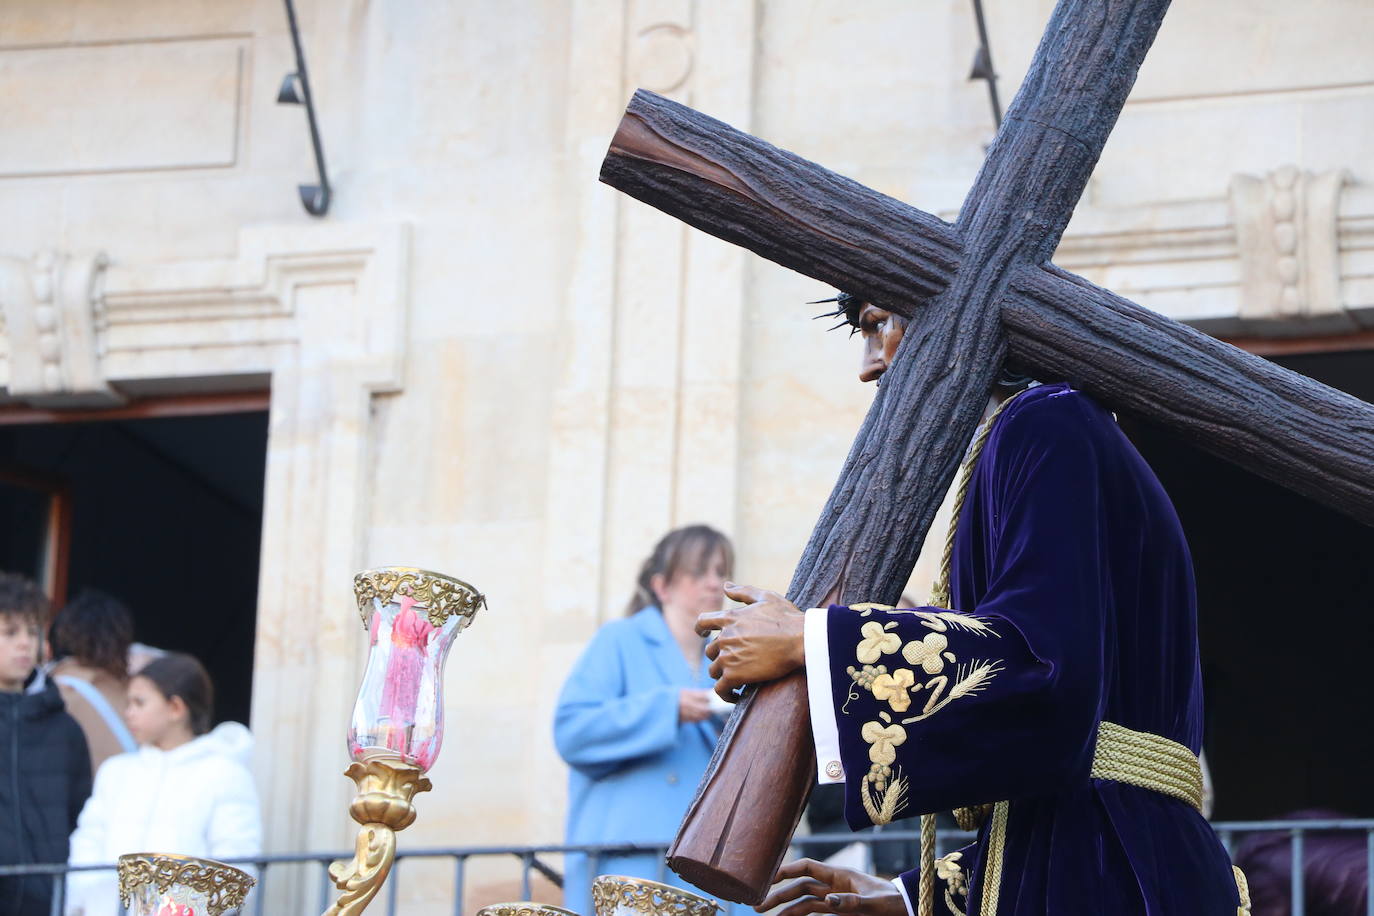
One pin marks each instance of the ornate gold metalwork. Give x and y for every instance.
(224, 886)
(610, 893)
(443, 596)
(386, 786)
(524, 908)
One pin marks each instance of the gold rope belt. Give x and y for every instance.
(1148, 761)
(1122, 755)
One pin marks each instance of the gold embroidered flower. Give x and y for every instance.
(893, 688)
(947, 869)
(926, 652)
(876, 643)
(883, 741)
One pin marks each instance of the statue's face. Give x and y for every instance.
(882, 332)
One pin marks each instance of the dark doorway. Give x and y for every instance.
(165, 514)
(1285, 594)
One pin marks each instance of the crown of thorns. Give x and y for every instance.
(847, 306)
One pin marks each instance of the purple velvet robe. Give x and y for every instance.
(1072, 563)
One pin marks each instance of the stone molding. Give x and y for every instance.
(1286, 228)
(1287, 254)
(51, 305)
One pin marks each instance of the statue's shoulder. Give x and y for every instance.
(1056, 409)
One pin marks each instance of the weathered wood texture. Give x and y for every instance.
(1281, 425)
(1289, 429)
(951, 281)
(738, 826)
(777, 204)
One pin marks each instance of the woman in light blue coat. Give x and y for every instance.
(636, 720)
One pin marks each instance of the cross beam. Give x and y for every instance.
(975, 292)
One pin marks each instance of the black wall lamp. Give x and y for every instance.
(982, 63)
(295, 90)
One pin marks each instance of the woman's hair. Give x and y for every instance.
(179, 675)
(690, 549)
(1334, 865)
(96, 630)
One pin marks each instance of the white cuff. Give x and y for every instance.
(901, 889)
(825, 733)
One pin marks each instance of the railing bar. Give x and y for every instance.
(1369, 872)
(393, 886)
(1229, 832)
(661, 872)
(459, 862)
(548, 871)
(325, 885)
(58, 882)
(1299, 903)
(593, 869)
(525, 875)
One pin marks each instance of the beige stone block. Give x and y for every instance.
(134, 106)
(36, 217)
(1216, 48)
(47, 22)
(1337, 132)
(1208, 49)
(163, 216)
(876, 92)
(1178, 151)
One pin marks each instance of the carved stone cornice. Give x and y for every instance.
(1287, 230)
(51, 307)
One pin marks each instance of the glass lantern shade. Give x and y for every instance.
(618, 895)
(412, 617)
(157, 884)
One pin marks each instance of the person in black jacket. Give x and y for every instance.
(45, 768)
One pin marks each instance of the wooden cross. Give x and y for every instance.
(975, 292)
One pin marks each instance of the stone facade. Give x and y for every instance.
(484, 362)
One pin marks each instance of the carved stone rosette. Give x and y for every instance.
(442, 596)
(523, 908)
(618, 895)
(386, 787)
(202, 887)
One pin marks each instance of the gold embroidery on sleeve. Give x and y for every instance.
(876, 642)
(895, 688)
(929, 653)
(884, 789)
(977, 677)
(862, 677)
(935, 671)
(940, 621)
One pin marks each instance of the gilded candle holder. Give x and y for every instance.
(619, 895)
(412, 617)
(156, 884)
(523, 908)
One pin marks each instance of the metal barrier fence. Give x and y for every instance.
(532, 860)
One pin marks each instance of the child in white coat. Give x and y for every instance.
(186, 790)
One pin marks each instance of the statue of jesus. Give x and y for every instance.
(1051, 690)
